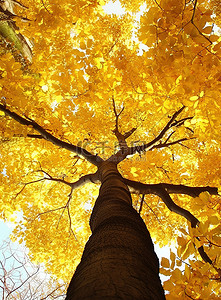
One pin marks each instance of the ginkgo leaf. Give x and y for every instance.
(168, 285)
(204, 197)
(213, 220)
(193, 98)
(187, 271)
(165, 262)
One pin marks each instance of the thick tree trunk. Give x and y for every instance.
(119, 261)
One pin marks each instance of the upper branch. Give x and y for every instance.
(94, 159)
(124, 149)
(116, 131)
(166, 144)
(172, 122)
(192, 22)
(121, 137)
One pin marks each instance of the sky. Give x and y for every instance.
(114, 8)
(5, 231)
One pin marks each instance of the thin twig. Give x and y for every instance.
(158, 4)
(163, 145)
(45, 7)
(141, 203)
(154, 214)
(172, 122)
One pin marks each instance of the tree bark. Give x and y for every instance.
(119, 261)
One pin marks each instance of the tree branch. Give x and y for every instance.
(93, 177)
(158, 4)
(163, 190)
(51, 293)
(94, 159)
(83, 180)
(172, 122)
(172, 206)
(67, 206)
(18, 287)
(165, 144)
(194, 10)
(181, 122)
(118, 134)
(144, 188)
(35, 136)
(121, 137)
(129, 133)
(125, 150)
(141, 204)
(189, 190)
(45, 7)
(186, 214)
(192, 22)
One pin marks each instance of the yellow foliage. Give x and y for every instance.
(82, 59)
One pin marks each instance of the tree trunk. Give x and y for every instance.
(119, 261)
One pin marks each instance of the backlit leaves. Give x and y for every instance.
(82, 59)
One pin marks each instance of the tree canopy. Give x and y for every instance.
(84, 79)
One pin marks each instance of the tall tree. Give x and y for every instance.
(119, 259)
(98, 111)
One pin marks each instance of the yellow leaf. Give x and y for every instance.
(149, 87)
(177, 274)
(172, 256)
(187, 271)
(83, 45)
(181, 241)
(213, 220)
(201, 94)
(167, 104)
(204, 196)
(133, 171)
(165, 272)
(165, 262)
(168, 285)
(58, 98)
(203, 227)
(205, 268)
(190, 249)
(179, 79)
(193, 98)
(207, 29)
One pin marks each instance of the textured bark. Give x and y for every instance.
(119, 261)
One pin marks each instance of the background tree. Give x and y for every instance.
(156, 112)
(21, 279)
